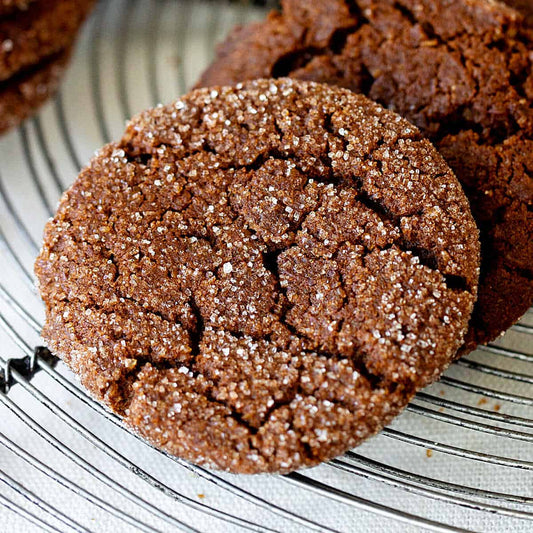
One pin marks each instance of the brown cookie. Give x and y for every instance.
(462, 72)
(259, 278)
(23, 94)
(44, 29)
(35, 42)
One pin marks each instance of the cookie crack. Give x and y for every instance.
(141, 159)
(300, 58)
(522, 272)
(208, 394)
(428, 259)
(196, 335)
(376, 383)
(235, 415)
(493, 133)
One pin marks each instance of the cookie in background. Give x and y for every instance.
(36, 40)
(462, 71)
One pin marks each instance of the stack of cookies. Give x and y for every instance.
(262, 274)
(36, 38)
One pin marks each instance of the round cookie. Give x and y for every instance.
(44, 29)
(21, 96)
(462, 72)
(258, 278)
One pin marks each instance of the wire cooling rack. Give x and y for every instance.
(460, 457)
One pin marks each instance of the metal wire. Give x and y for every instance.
(40, 503)
(480, 378)
(28, 515)
(81, 395)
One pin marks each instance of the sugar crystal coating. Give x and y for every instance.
(462, 71)
(259, 278)
(44, 29)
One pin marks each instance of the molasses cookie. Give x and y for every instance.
(462, 72)
(258, 278)
(44, 29)
(35, 42)
(22, 95)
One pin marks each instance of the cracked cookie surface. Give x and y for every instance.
(259, 278)
(462, 72)
(23, 94)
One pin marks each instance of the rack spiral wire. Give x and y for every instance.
(460, 458)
